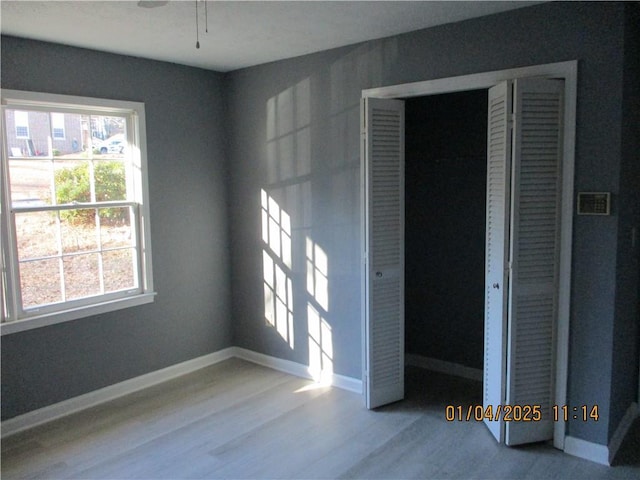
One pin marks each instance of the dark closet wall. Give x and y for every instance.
(445, 185)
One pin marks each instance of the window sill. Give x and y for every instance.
(74, 314)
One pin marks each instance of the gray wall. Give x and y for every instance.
(189, 230)
(294, 133)
(445, 193)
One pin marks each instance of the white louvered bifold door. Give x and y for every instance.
(535, 225)
(383, 141)
(496, 253)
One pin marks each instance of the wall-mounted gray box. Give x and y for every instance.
(594, 203)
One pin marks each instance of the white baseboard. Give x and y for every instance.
(443, 367)
(623, 428)
(91, 399)
(603, 454)
(286, 366)
(299, 370)
(587, 450)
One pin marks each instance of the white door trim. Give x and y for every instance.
(563, 70)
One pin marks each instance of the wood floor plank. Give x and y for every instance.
(240, 420)
(358, 445)
(288, 443)
(199, 437)
(135, 419)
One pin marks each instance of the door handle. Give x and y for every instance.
(379, 274)
(496, 285)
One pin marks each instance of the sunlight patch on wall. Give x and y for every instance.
(320, 347)
(276, 267)
(319, 330)
(317, 274)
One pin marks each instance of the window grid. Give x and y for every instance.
(109, 266)
(100, 250)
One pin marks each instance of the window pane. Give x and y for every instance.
(40, 282)
(115, 228)
(78, 230)
(110, 180)
(28, 133)
(118, 270)
(72, 181)
(108, 135)
(37, 234)
(30, 182)
(69, 135)
(81, 277)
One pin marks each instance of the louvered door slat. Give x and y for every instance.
(534, 254)
(384, 244)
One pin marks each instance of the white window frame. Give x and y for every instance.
(13, 318)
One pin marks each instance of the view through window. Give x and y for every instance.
(75, 206)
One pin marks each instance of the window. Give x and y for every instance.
(22, 124)
(57, 126)
(75, 214)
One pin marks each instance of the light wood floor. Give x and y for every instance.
(239, 420)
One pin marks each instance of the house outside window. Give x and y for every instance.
(75, 218)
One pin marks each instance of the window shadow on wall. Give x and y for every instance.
(310, 208)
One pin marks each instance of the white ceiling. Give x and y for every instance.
(240, 33)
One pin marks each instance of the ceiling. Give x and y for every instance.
(240, 33)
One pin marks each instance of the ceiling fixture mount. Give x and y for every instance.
(162, 3)
(206, 22)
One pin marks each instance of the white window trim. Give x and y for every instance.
(15, 99)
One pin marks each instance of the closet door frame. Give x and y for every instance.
(567, 71)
